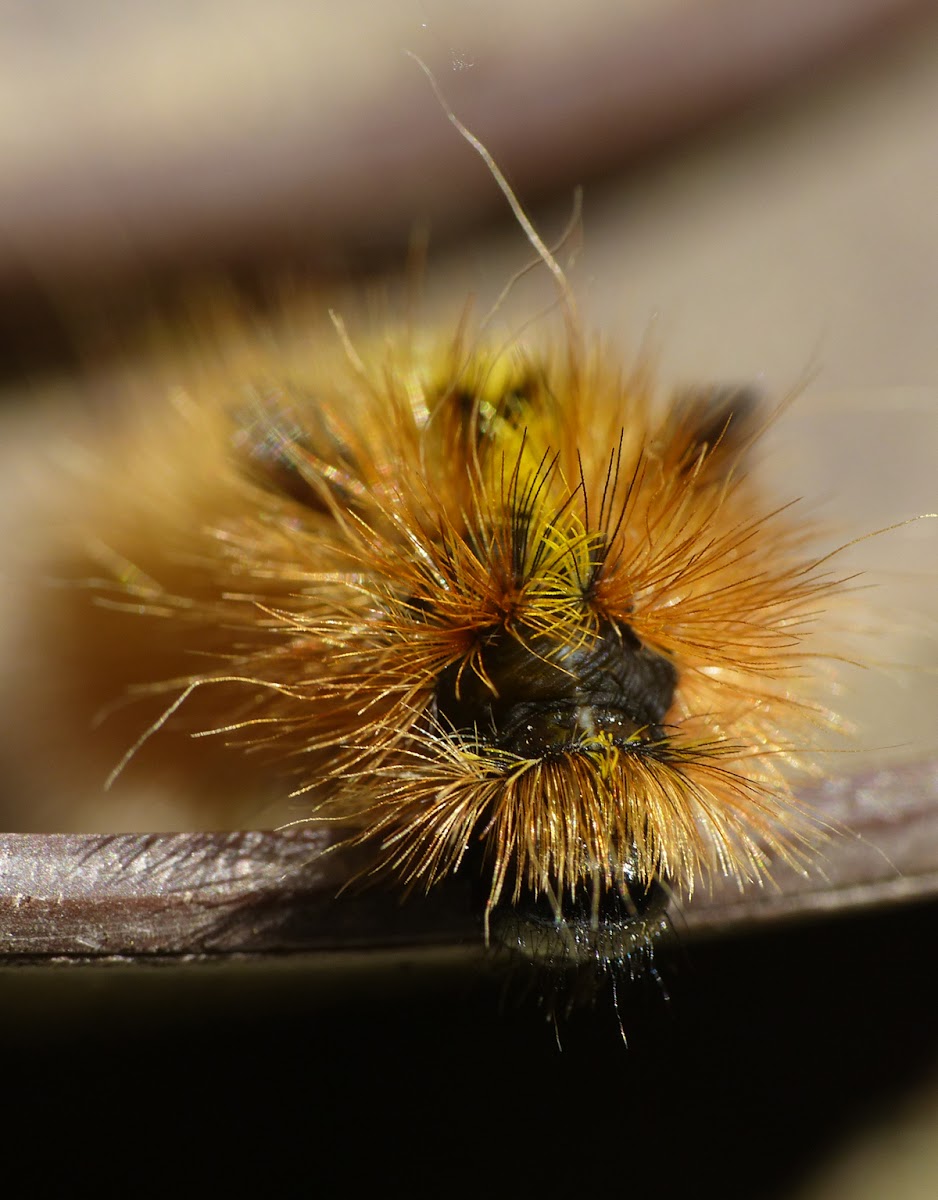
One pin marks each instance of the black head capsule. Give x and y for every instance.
(597, 926)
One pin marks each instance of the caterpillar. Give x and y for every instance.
(487, 607)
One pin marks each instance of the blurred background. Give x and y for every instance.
(760, 205)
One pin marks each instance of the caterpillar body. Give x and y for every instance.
(497, 610)
(488, 607)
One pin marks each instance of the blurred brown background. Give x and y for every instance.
(760, 191)
(761, 186)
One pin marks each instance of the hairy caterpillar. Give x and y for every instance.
(493, 609)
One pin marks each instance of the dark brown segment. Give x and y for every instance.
(722, 419)
(532, 690)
